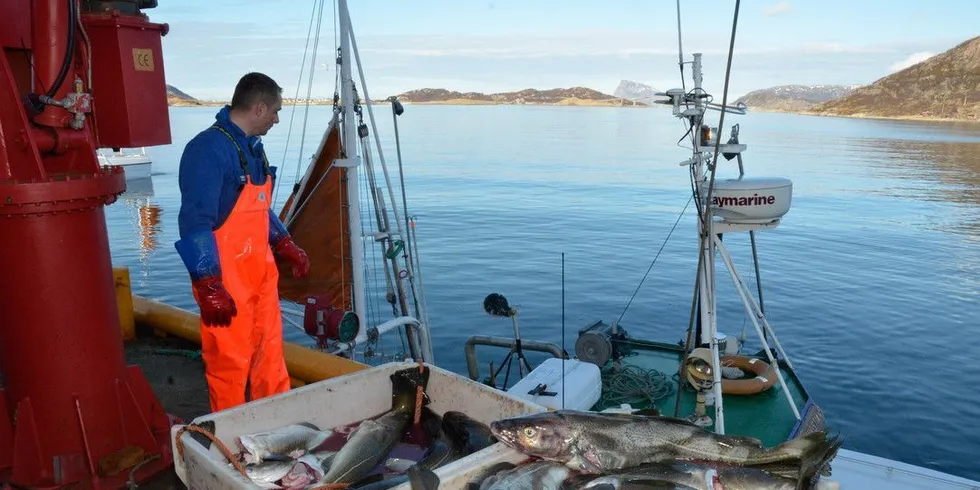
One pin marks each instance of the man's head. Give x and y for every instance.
(256, 103)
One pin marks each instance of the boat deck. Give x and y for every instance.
(175, 371)
(742, 412)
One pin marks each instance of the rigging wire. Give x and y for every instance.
(724, 107)
(309, 91)
(292, 113)
(638, 286)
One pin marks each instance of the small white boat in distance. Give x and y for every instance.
(135, 164)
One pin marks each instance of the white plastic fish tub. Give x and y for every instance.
(340, 401)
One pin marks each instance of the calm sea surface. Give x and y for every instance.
(872, 282)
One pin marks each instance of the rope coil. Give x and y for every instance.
(635, 386)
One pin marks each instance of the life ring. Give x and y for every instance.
(765, 376)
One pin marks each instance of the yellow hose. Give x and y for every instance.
(304, 364)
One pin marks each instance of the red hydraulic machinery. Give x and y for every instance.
(75, 75)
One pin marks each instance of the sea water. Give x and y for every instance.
(871, 282)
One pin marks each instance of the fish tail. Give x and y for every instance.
(806, 448)
(818, 464)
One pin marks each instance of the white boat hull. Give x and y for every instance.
(856, 470)
(135, 165)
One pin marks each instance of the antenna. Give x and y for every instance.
(563, 331)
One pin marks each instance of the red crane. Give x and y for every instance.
(75, 75)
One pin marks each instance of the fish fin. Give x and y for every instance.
(603, 486)
(487, 473)
(587, 461)
(399, 465)
(679, 421)
(277, 457)
(746, 440)
(648, 412)
(423, 479)
(309, 425)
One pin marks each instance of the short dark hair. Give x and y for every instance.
(254, 88)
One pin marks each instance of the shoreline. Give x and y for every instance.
(454, 102)
(869, 116)
(589, 103)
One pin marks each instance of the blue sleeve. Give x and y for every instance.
(199, 252)
(276, 229)
(200, 178)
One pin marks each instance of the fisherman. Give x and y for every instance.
(228, 235)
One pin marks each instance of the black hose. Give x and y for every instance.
(69, 50)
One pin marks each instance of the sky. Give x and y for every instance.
(505, 45)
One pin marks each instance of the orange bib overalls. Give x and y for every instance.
(250, 349)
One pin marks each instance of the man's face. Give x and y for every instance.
(267, 116)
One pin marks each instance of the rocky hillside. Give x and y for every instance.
(946, 86)
(175, 97)
(636, 91)
(793, 98)
(558, 96)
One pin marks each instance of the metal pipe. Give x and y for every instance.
(473, 366)
(59, 141)
(409, 246)
(746, 301)
(758, 275)
(417, 269)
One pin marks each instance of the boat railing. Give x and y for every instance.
(515, 345)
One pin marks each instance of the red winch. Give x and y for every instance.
(74, 76)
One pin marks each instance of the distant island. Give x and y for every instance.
(176, 98)
(792, 98)
(574, 96)
(637, 92)
(944, 87)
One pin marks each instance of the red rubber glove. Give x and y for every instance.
(287, 249)
(217, 307)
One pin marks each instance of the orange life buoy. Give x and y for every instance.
(765, 376)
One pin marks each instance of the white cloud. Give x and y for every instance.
(777, 9)
(912, 59)
(205, 60)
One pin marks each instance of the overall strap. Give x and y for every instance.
(241, 154)
(265, 164)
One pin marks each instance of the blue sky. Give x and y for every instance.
(504, 45)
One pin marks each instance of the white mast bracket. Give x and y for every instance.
(349, 162)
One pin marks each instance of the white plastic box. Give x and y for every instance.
(340, 401)
(582, 384)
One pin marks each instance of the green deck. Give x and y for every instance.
(766, 416)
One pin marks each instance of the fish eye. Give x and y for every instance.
(529, 431)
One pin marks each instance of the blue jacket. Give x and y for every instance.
(210, 179)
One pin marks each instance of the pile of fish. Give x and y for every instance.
(611, 451)
(375, 454)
